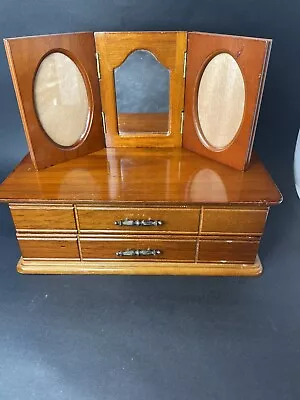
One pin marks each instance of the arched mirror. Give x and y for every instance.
(142, 86)
(221, 101)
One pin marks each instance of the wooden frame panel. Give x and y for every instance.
(251, 55)
(169, 48)
(25, 56)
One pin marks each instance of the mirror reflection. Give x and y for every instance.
(142, 94)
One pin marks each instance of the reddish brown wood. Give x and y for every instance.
(131, 124)
(49, 247)
(24, 56)
(135, 176)
(227, 250)
(252, 55)
(233, 220)
(177, 220)
(171, 249)
(169, 48)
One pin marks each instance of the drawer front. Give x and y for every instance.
(145, 250)
(119, 219)
(43, 218)
(233, 221)
(42, 247)
(222, 250)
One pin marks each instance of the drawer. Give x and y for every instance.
(43, 218)
(227, 250)
(233, 221)
(49, 247)
(150, 248)
(118, 219)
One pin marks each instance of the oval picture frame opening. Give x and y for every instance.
(61, 100)
(220, 102)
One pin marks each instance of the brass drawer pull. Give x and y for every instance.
(138, 222)
(138, 253)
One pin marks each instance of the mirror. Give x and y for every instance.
(221, 101)
(61, 100)
(142, 88)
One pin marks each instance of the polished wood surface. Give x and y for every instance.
(227, 250)
(172, 219)
(49, 247)
(43, 218)
(169, 48)
(132, 124)
(106, 247)
(135, 176)
(252, 56)
(138, 268)
(24, 57)
(233, 221)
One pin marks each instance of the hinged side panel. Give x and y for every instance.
(224, 85)
(55, 80)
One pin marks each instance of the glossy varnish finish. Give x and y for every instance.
(49, 247)
(131, 124)
(227, 250)
(43, 218)
(233, 220)
(24, 57)
(169, 48)
(107, 247)
(252, 56)
(170, 177)
(138, 268)
(176, 220)
(212, 217)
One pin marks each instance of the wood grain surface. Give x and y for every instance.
(138, 268)
(106, 247)
(135, 176)
(252, 55)
(177, 220)
(169, 48)
(24, 57)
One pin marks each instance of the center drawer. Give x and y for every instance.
(148, 248)
(142, 220)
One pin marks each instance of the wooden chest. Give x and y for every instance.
(140, 211)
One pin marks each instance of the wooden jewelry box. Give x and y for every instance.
(157, 129)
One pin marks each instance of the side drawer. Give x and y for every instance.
(233, 221)
(114, 219)
(49, 247)
(227, 250)
(43, 218)
(109, 248)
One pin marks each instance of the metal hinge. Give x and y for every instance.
(98, 65)
(182, 121)
(104, 122)
(184, 64)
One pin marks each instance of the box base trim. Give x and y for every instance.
(137, 268)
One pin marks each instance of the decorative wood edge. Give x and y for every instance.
(138, 268)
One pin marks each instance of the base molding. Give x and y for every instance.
(137, 268)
